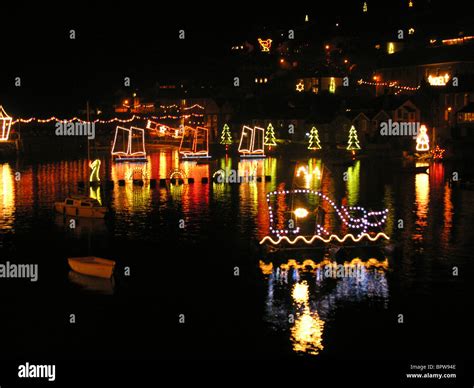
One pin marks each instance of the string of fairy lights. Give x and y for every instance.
(173, 106)
(107, 121)
(77, 119)
(174, 117)
(392, 84)
(118, 120)
(178, 109)
(332, 237)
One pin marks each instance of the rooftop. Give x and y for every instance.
(426, 56)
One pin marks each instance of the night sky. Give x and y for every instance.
(141, 41)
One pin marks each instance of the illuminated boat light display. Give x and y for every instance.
(195, 143)
(131, 146)
(252, 142)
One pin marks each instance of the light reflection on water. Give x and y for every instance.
(434, 214)
(353, 184)
(315, 298)
(422, 185)
(307, 331)
(7, 198)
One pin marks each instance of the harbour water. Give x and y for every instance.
(190, 253)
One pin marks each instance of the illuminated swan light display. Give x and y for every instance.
(362, 224)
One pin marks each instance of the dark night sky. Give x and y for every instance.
(140, 40)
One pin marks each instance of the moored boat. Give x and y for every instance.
(80, 206)
(92, 266)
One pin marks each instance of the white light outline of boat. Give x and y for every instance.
(251, 152)
(129, 155)
(193, 154)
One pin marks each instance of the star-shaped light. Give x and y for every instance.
(300, 86)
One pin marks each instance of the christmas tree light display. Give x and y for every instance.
(353, 142)
(422, 140)
(226, 137)
(270, 136)
(314, 143)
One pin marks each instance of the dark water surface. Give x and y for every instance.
(278, 306)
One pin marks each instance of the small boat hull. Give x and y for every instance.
(73, 211)
(80, 206)
(92, 266)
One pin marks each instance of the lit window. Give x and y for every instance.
(332, 85)
(391, 48)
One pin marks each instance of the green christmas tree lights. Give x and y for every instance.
(314, 143)
(353, 142)
(226, 136)
(270, 136)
